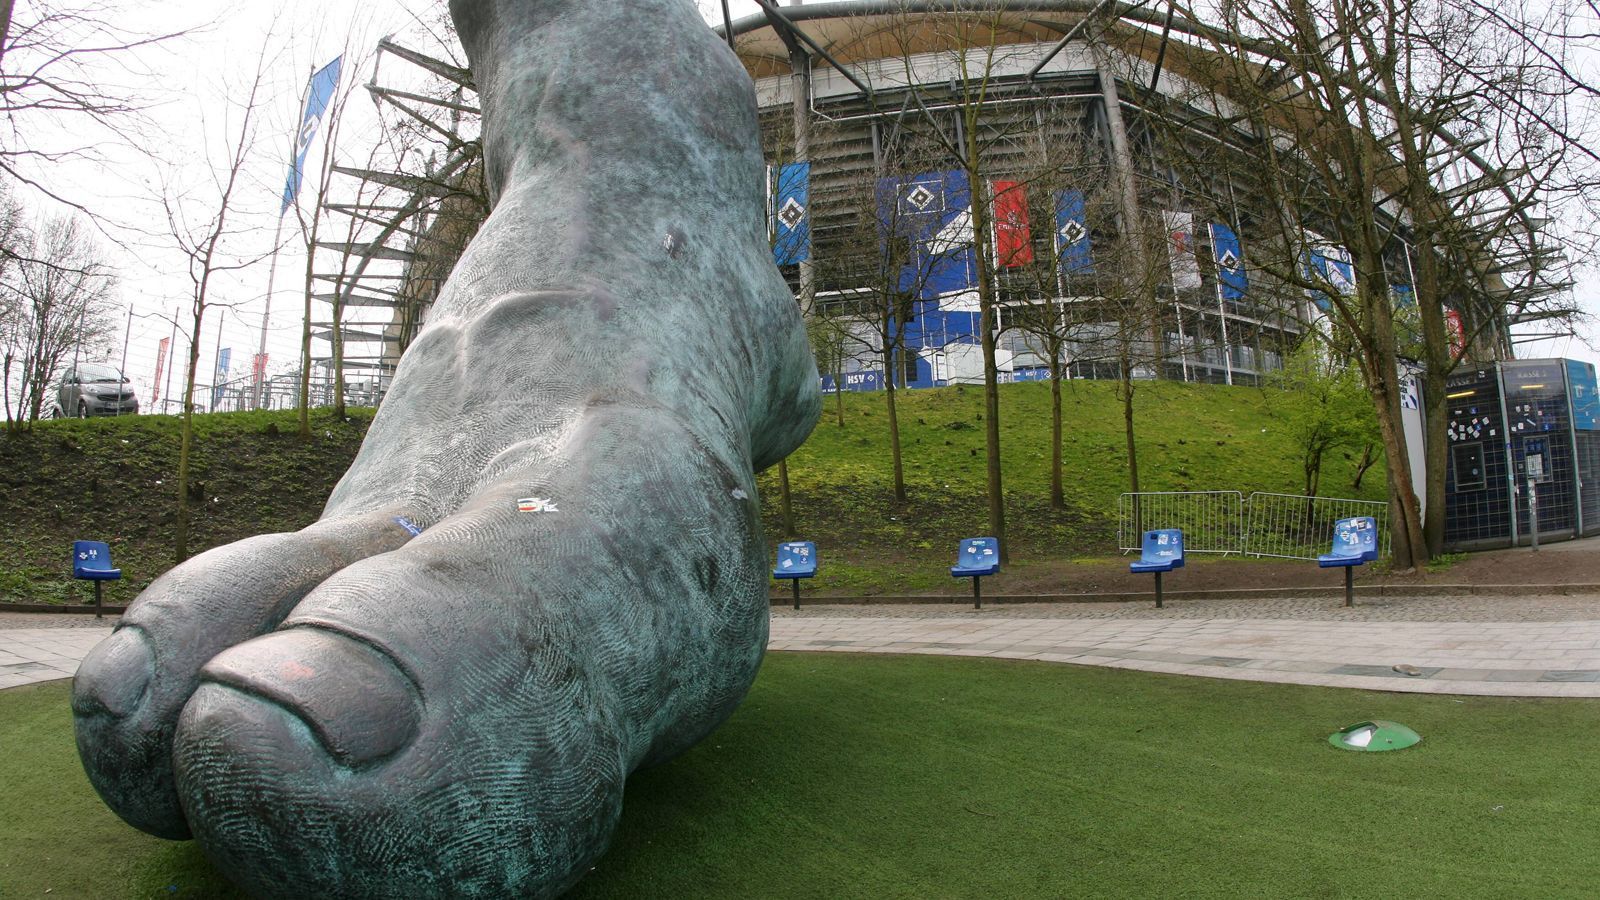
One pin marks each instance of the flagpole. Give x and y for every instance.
(172, 358)
(257, 370)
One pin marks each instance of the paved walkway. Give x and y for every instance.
(1512, 646)
(28, 655)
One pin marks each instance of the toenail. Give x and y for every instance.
(354, 697)
(115, 675)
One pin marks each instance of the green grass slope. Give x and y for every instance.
(1190, 437)
(115, 480)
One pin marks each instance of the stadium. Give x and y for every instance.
(1091, 131)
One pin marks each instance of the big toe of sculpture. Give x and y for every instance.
(353, 711)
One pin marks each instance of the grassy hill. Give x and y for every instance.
(113, 480)
(1190, 437)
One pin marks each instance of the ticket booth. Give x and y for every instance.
(1522, 434)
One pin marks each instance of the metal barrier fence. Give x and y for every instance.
(1292, 526)
(1210, 519)
(1287, 526)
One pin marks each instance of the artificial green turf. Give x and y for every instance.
(875, 776)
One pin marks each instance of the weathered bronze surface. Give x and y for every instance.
(352, 711)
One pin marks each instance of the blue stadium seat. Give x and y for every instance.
(976, 558)
(1355, 543)
(796, 560)
(1160, 551)
(91, 561)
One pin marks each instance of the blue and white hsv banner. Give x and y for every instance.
(925, 225)
(318, 96)
(1232, 281)
(1330, 263)
(853, 381)
(1074, 251)
(791, 220)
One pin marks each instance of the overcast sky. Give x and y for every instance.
(192, 86)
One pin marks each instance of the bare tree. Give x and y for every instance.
(1413, 140)
(199, 221)
(953, 115)
(61, 304)
(54, 59)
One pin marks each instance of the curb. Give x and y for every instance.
(108, 609)
(1337, 593)
(1371, 592)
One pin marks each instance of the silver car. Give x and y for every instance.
(94, 389)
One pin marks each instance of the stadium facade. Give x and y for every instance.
(1083, 131)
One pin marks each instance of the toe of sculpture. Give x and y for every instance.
(310, 765)
(126, 750)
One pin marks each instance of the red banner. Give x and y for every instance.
(1013, 241)
(161, 367)
(258, 375)
(1457, 332)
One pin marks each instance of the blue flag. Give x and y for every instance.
(318, 96)
(224, 357)
(791, 242)
(1229, 254)
(1074, 252)
(932, 214)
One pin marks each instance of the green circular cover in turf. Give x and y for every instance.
(1374, 735)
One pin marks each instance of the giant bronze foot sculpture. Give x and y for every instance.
(352, 711)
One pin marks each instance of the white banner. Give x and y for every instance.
(1180, 250)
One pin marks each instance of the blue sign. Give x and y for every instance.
(791, 242)
(1585, 396)
(1074, 251)
(855, 381)
(318, 96)
(1229, 254)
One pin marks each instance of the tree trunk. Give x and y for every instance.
(305, 331)
(1127, 426)
(838, 389)
(783, 499)
(1058, 498)
(894, 441)
(180, 551)
(986, 322)
(1410, 547)
(1367, 459)
(338, 357)
(5, 24)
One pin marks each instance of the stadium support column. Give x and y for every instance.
(1122, 162)
(1121, 155)
(800, 87)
